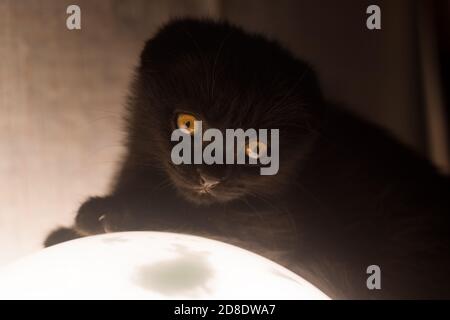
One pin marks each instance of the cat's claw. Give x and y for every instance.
(107, 226)
(102, 220)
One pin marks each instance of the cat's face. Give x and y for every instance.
(227, 79)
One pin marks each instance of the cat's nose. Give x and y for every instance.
(208, 182)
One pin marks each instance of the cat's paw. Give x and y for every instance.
(90, 216)
(102, 215)
(61, 235)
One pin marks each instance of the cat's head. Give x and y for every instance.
(228, 79)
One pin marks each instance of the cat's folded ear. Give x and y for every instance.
(183, 45)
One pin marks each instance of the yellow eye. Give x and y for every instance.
(256, 149)
(185, 122)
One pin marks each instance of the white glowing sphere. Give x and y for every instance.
(150, 265)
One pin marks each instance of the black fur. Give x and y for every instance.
(346, 196)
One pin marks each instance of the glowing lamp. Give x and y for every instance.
(150, 265)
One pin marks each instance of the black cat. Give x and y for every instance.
(346, 195)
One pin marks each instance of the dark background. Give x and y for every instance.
(62, 92)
